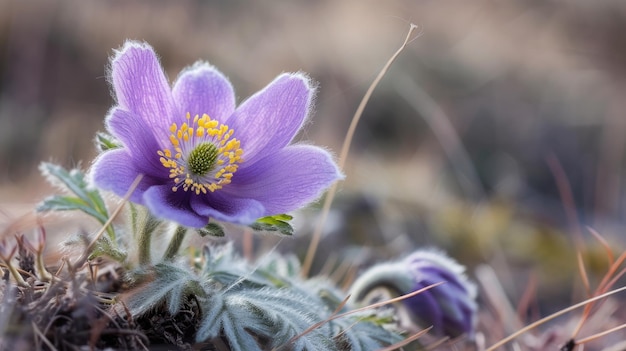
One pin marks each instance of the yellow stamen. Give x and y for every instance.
(206, 156)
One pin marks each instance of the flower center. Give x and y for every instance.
(202, 159)
(204, 156)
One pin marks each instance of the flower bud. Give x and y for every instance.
(449, 308)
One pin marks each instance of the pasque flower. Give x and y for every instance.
(449, 308)
(201, 156)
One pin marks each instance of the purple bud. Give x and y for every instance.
(449, 308)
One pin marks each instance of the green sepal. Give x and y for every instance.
(212, 229)
(105, 142)
(277, 223)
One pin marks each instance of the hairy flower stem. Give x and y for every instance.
(145, 238)
(174, 246)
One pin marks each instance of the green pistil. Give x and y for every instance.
(202, 159)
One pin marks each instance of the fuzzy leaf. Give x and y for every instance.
(68, 203)
(86, 199)
(364, 332)
(273, 315)
(211, 229)
(171, 283)
(277, 223)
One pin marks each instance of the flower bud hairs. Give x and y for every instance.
(450, 308)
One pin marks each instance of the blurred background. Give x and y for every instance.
(498, 135)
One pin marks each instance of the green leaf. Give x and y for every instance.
(106, 142)
(68, 203)
(171, 283)
(74, 180)
(239, 304)
(276, 315)
(211, 229)
(364, 332)
(86, 199)
(277, 223)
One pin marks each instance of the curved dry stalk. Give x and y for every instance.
(599, 335)
(552, 316)
(317, 234)
(567, 197)
(407, 341)
(604, 244)
(334, 315)
(583, 272)
(604, 285)
(113, 215)
(43, 337)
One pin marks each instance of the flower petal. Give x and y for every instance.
(286, 180)
(269, 120)
(138, 140)
(115, 170)
(233, 210)
(201, 89)
(425, 308)
(164, 203)
(141, 86)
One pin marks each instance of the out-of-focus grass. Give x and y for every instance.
(452, 150)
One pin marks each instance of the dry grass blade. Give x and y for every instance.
(407, 341)
(599, 335)
(43, 337)
(334, 315)
(583, 273)
(387, 302)
(604, 243)
(496, 296)
(318, 324)
(552, 316)
(527, 298)
(112, 217)
(436, 344)
(567, 198)
(317, 234)
(607, 281)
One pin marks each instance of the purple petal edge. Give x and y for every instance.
(114, 171)
(268, 120)
(141, 86)
(287, 179)
(201, 89)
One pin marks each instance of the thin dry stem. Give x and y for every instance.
(583, 273)
(604, 286)
(334, 315)
(552, 316)
(112, 217)
(567, 198)
(318, 324)
(604, 243)
(599, 335)
(317, 234)
(527, 297)
(616, 277)
(43, 337)
(437, 343)
(406, 341)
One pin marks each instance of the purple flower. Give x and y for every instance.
(201, 156)
(449, 308)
